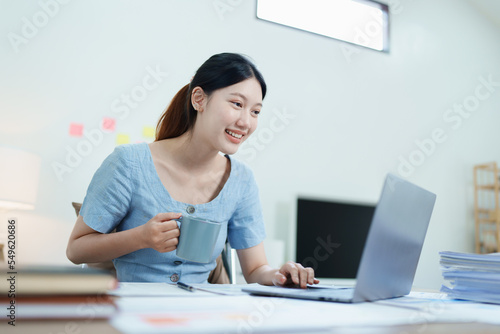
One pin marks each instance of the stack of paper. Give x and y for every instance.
(472, 276)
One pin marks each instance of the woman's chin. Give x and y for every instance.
(230, 149)
(229, 152)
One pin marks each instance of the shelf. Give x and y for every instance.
(486, 187)
(487, 207)
(487, 221)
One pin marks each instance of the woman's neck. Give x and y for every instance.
(187, 153)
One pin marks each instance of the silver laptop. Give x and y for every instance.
(391, 252)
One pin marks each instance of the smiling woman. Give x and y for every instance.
(181, 114)
(224, 113)
(141, 190)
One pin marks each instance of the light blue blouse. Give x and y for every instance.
(126, 192)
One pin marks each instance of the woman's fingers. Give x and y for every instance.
(289, 269)
(302, 276)
(162, 232)
(164, 216)
(294, 274)
(279, 279)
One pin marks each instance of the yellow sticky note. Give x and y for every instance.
(122, 139)
(148, 132)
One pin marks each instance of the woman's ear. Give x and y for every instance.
(198, 98)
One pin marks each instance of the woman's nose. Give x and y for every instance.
(244, 120)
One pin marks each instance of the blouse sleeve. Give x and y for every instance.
(109, 193)
(246, 226)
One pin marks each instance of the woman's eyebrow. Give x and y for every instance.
(244, 98)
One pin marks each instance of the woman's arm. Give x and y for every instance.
(89, 246)
(256, 270)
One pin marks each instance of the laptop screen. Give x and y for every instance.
(331, 236)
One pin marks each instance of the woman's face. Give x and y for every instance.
(229, 115)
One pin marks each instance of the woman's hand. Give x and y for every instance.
(294, 274)
(161, 232)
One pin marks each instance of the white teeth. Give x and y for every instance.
(234, 134)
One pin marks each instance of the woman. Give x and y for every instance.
(182, 173)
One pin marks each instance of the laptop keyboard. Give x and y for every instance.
(344, 293)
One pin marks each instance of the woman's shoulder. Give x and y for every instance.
(131, 151)
(240, 168)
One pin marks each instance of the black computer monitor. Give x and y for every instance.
(331, 236)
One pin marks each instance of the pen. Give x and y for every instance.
(191, 288)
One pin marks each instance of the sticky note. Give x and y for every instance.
(122, 139)
(76, 129)
(108, 124)
(148, 132)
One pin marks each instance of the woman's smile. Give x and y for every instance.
(234, 136)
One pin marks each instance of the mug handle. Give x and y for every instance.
(179, 221)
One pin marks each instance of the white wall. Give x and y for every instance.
(350, 119)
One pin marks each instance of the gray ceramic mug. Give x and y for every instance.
(197, 239)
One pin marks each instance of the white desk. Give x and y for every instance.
(174, 310)
(98, 327)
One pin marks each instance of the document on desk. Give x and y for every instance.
(162, 307)
(223, 289)
(133, 289)
(136, 289)
(474, 277)
(438, 307)
(245, 314)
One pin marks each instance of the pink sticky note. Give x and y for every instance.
(108, 124)
(76, 129)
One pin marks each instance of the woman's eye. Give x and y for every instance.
(256, 112)
(237, 104)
